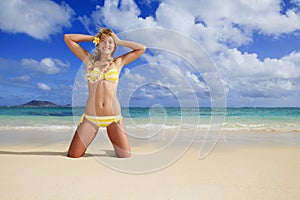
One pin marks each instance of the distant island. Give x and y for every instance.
(36, 103)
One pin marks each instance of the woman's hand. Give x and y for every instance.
(137, 50)
(73, 40)
(117, 39)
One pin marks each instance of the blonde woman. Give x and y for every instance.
(102, 108)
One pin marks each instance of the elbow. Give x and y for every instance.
(66, 37)
(143, 49)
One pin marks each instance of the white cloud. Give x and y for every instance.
(38, 19)
(214, 23)
(43, 86)
(137, 78)
(220, 27)
(119, 17)
(296, 2)
(23, 78)
(229, 22)
(252, 77)
(145, 94)
(196, 80)
(148, 2)
(46, 65)
(163, 80)
(242, 65)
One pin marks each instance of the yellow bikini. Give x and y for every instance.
(94, 76)
(101, 121)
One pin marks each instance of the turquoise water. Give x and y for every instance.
(257, 119)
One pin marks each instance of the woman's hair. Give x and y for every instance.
(107, 31)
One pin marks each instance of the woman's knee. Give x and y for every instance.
(75, 153)
(122, 153)
(70, 155)
(76, 149)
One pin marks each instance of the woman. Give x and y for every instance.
(102, 107)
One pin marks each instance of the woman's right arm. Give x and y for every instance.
(72, 41)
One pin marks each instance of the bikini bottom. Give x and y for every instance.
(101, 121)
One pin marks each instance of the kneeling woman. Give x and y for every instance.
(102, 108)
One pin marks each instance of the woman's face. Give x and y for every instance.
(106, 45)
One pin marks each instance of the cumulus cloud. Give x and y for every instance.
(221, 27)
(220, 24)
(38, 19)
(137, 78)
(23, 82)
(237, 64)
(252, 77)
(118, 15)
(160, 81)
(296, 2)
(201, 85)
(215, 24)
(43, 86)
(46, 65)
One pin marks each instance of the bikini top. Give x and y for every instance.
(111, 75)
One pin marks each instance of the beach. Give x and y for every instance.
(253, 163)
(35, 169)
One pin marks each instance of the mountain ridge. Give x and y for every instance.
(39, 103)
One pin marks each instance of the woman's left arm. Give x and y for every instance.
(137, 50)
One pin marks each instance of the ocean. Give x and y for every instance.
(229, 119)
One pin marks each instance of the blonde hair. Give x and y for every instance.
(96, 56)
(109, 32)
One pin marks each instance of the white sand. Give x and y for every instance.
(229, 172)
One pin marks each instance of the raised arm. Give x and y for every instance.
(72, 41)
(137, 50)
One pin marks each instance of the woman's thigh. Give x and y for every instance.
(117, 134)
(84, 135)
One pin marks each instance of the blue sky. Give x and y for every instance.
(255, 46)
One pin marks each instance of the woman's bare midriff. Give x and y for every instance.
(102, 100)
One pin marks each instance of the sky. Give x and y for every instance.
(253, 48)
